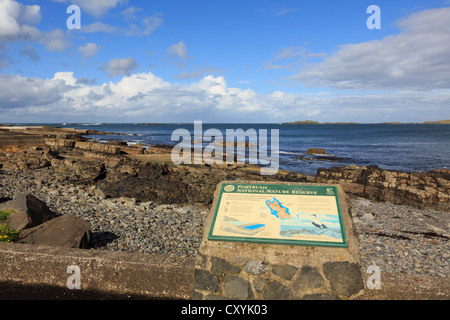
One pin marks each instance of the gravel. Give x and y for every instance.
(118, 224)
(402, 239)
(396, 238)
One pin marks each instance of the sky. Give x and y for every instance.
(214, 61)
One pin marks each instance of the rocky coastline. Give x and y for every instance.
(135, 200)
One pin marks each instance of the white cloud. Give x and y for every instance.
(95, 7)
(17, 21)
(54, 40)
(178, 49)
(89, 50)
(98, 27)
(291, 57)
(416, 59)
(117, 67)
(145, 26)
(144, 95)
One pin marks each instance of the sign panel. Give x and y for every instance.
(279, 214)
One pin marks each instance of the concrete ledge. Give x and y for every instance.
(114, 272)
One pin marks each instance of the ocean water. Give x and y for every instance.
(404, 147)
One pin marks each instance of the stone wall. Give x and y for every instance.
(233, 270)
(420, 189)
(157, 276)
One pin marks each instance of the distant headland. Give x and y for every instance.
(392, 122)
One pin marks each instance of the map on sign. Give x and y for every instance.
(279, 214)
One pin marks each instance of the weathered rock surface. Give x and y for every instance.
(65, 231)
(29, 211)
(419, 189)
(315, 151)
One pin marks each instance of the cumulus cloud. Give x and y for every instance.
(117, 67)
(17, 21)
(141, 95)
(418, 58)
(89, 50)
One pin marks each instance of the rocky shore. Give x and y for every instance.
(135, 200)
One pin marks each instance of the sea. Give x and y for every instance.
(403, 147)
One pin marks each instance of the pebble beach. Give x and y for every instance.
(396, 238)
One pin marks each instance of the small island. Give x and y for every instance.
(438, 122)
(390, 122)
(317, 122)
(303, 122)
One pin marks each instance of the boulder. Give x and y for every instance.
(29, 211)
(65, 231)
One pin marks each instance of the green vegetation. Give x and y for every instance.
(4, 214)
(6, 233)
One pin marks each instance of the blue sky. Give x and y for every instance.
(224, 61)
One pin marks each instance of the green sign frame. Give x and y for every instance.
(318, 228)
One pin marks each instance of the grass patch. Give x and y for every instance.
(4, 214)
(6, 233)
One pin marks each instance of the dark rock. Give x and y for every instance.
(320, 296)
(259, 284)
(308, 279)
(215, 297)
(220, 267)
(151, 182)
(285, 271)
(117, 143)
(65, 231)
(204, 280)
(237, 288)
(29, 212)
(277, 291)
(345, 277)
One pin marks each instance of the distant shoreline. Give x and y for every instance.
(346, 123)
(305, 122)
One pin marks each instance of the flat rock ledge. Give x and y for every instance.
(419, 189)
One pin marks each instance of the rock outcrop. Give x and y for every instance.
(420, 189)
(29, 211)
(39, 225)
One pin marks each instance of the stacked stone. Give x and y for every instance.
(242, 279)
